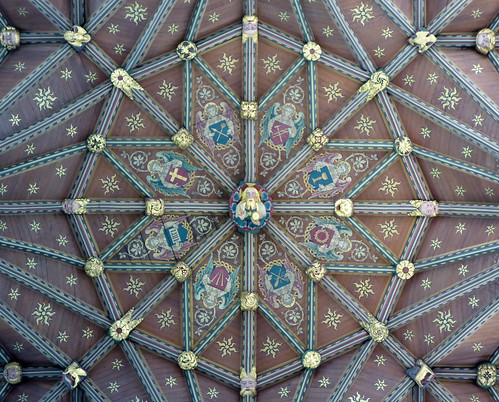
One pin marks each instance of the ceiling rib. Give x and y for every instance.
(52, 14)
(400, 19)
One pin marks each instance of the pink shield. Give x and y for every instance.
(219, 278)
(177, 176)
(321, 236)
(279, 133)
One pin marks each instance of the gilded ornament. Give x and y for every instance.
(421, 374)
(249, 301)
(248, 382)
(122, 328)
(181, 271)
(122, 80)
(249, 110)
(76, 206)
(77, 37)
(10, 38)
(312, 51)
(183, 138)
(317, 139)
(378, 81)
(403, 146)
(311, 359)
(73, 375)
(485, 41)
(316, 271)
(187, 50)
(422, 40)
(377, 331)
(405, 269)
(424, 208)
(187, 360)
(343, 207)
(486, 375)
(94, 267)
(12, 373)
(155, 207)
(96, 143)
(250, 28)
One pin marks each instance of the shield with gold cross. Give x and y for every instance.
(279, 133)
(177, 176)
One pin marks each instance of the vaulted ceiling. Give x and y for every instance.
(70, 133)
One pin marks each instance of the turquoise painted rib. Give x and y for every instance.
(156, 65)
(401, 60)
(345, 113)
(311, 314)
(188, 94)
(38, 38)
(452, 40)
(78, 12)
(360, 145)
(195, 21)
(92, 357)
(186, 315)
(52, 14)
(446, 16)
(302, 21)
(102, 14)
(399, 351)
(401, 390)
(439, 392)
(361, 269)
(140, 142)
(303, 385)
(312, 96)
(397, 16)
(192, 384)
(96, 54)
(56, 392)
(419, 14)
(154, 109)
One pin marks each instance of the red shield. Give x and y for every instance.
(177, 176)
(279, 133)
(322, 236)
(219, 278)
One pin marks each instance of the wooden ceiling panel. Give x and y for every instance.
(219, 14)
(280, 14)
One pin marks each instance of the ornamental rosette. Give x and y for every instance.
(10, 38)
(183, 138)
(96, 143)
(317, 139)
(76, 206)
(187, 360)
(311, 359)
(12, 373)
(316, 271)
(181, 271)
(122, 80)
(485, 41)
(377, 331)
(343, 207)
(405, 269)
(122, 328)
(377, 83)
(155, 206)
(312, 51)
(187, 50)
(249, 301)
(403, 146)
(486, 375)
(249, 110)
(94, 267)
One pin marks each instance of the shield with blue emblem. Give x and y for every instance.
(220, 132)
(323, 176)
(175, 235)
(278, 277)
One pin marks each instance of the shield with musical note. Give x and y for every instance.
(279, 133)
(323, 176)
(220, 132)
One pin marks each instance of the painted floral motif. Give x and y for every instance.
(166, 318)
(45, 98)
(109, 226)
(364, 288)
(136, 13)
(43, 313)
(167, 90)
(449, 98)
(271, 64)
(365, 125)
(135, 122)
(227, 63)
(227, 346)
(389, 186)
(134, 286)
(388, 228)
(445, 321)
(270, 347)
(328, 239)
(332, 318)
(333, 92)
(110, 184)
(362, 13)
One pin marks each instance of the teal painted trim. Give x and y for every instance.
(419, 12)
(78, 12)
(415, 239)
(52, 14)
(391, 115)
(401, 60)
(286, 333)
(390, 298)
(312, 96)
(156, 111)
(56, 392)
(343, 66)
(97, 55)
(397, 16)
(250, 257)
(439, 392)
(125, 237)
(124, 267)
(360, 269)
(473, 91)
(41, 250)
(83, 236)
(186, 315)
(139, 142)
(447, 15)
(280, 38)
(195, 21)
(280, 374)
(160, 291)
(149, 34)
(219, 37)
(107, 297)
(32, 207)
(132, 179)
(155, 345)
(382, 208)
(81, 104)
(360, 145)
(116, 206)
(455, 164)
(375, 172)
(453, 40)
(349, 36)
(101, 16)
(494, 58)
(250, 7)
(83, 177)
(38, 38)
(303, 386)
(444, 297)
(250, 160)
(290, 73)
(192, 382)
(143, 372)
(289, 168)
(41, 160)
(311, 314)
(249, 339)
(494, 25)
(352, 371)
(218, 82)
(94, 354)
(373, 240)
(157, 65)
(53, 373)
(108, 112)
(227, 317)
(92, 392)
(3, 21)
(188, 94)
(401, 390)
(3, 54)
(4, 358)
(351, 304)
(41, 72)
(30, 334)
(302, 21)
(300, 207)
(399, 351)
(219, 373)
(456, 256)
(5, 387)
(345, 113)
(494, 359)
(282, 238)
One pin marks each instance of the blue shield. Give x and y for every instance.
(278, 277)
(175, 235)
(322, 176)
(220, 132)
